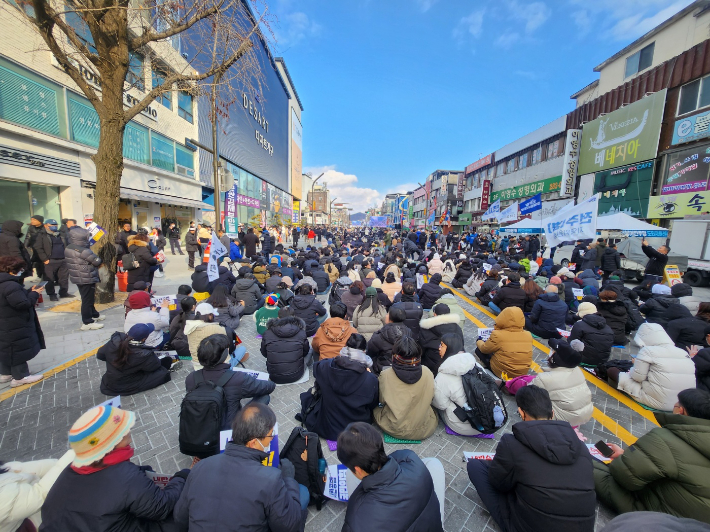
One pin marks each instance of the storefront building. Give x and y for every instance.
(49, 131)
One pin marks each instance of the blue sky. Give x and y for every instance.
(394, 89)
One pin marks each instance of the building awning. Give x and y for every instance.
(141, 195)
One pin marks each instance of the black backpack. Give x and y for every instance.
(129, 262)
(201, 416)
(482, 397)
(336, 291)
(304, 451)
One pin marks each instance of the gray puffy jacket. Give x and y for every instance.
(82, 262)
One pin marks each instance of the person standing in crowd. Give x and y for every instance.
(234, 491)
(251, 241)
(11, 245)
(192, 246)
(83, 267)
(35, 227)
(295, 235)
(657, 260)
(541, 475)
(49, 248)
(204, 234)
(665, 470)
(174, 238)
(266, 246)
(400, 488)
(102, 489)
(610, 261)
(121, 240)
(21, 336)
(138, 246)
(67, 223)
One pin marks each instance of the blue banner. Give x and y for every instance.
(531, 204)
(378, 221)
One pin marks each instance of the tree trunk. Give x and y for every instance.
(109, 169)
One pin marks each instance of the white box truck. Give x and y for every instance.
(691, 237)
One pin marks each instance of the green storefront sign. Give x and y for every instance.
(628, 135)
(465, 219)
(551, 184)
(625, 189)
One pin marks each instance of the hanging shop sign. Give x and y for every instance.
(628, 135)
(551, 184)
(486, 195)
(687, 171)
(480, 163)
(625, 189)
(679, 205)
(37, 161)
(691, 128)
(570, 164)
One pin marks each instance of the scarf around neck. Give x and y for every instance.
(114, 457)
(408, 370)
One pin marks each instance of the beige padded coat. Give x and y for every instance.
(569, 393)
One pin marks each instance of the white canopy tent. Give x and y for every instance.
(619, 221)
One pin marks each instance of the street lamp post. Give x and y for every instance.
(330, 211)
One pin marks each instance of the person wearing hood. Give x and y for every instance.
(391, 285)
(349, 392)
(447, 298)
(138, 246)
(204, 325)
(684, 329)
(594, 333)
(435, 265)
(541, 477)
(609, 260)
(665, 470)
(449, 394)
(379, 347)
(11, 245)
(660, 370)
(21, 337)
(589, 278)
(684, 293)
(656, 308)
(615, 314)
(432, 330)
(548, 314)
(409, 302)
(333, 333)
(142, 311)
(285, 346)
(565, 382)
(83, 267)
(406, 392)
(353, 297)
(509, 348)
(589, 260)
(509, 295)
(266, 245)
(430, 292)
(246, 289)
(463, 274)
(131, 365)
(369, 317)
(306, 306)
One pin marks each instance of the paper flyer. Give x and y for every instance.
(96, 232)
(158, 300)
(272, 460)
(486, 266)
(578, 293)
(485, 333)
(159, 479)
(258, 375)
(477, 456)
(596, 454)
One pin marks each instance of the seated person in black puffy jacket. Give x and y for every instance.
(593, 331)
(509, 295)
(131, 367)
(178, 340)
(655, 309)
(379, 348)
(201, 283)
(322, 279)
(463, 274)
(286, 348)
(399, 487)
(701, 359)
(412, 308)
(430, 292)
(212, 354)
(488, 287)
(548, 314)
(305, 305)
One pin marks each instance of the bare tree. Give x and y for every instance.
(101, 38)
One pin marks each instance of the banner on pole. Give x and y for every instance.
(531, 204)
(217, 250)
(492, 211)
(510, 213)
(572, 223)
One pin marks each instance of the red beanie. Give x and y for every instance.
(139, 300)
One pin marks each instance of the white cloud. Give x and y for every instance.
(293, 28)
(533, 14)
(582, 21)
(470, 25)
(506, 40)
(634, 26)
(425, 5)
(344, 187)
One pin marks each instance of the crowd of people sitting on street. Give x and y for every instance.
(378, 319)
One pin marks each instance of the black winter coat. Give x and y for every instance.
(240, 386)
(191, 242)
(145, 260)
(201, 282)
(656, 260)
(414, 312)
(349, 393)
(656, 309)
(510, 295)
(615, 314)
(11, 245)
(81, 261)
(576, 257)
(463, 274)
(686, 331)
(285, 346)
(21, 336)
(549, 312)
(611, 260)
(309, 309)
(430, 333)
(142, 371)
(428, 294)
(266, 242)
(702, 369)
(121, 242)
(597, 337)
(234, 491)
(400, 497)
(322, 280)
(487, 287)
(379, 348)
(546, 472)
(120, 498)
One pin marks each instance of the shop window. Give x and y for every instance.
(185, 106)
(162, 152)
(537, 155)
(185, 160)
(45, 201)
(639, 61)
(510, 166)
(694, 95)
(523, 160)
(134, 77)
(28, 103)
(135, 143)
(14, 201)
(165, 98)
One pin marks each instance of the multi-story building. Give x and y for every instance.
(49, 131)
(319, 204)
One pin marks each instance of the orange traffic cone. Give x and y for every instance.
(206, 258)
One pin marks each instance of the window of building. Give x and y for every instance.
(523, 161)
(537, 155)
(185, 106)
(694, 95)
(79, 25)
(552, 149)
(166, 98)
(500, 169)
(639, 61)
(510, 166)
(135, 71)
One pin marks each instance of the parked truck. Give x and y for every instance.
(691, 237)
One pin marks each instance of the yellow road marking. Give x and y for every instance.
(49, 373)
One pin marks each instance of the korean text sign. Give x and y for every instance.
(626, 136)
(679, 205)
(573, 223)
(691, 128)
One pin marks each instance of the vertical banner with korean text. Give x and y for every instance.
(570, 164)
(572, 223)
(230, 212)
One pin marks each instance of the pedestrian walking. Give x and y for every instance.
(174, 237)
(192, 246)
(49, 247)
(83, 267)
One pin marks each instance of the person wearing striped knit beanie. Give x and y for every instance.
(102, 489)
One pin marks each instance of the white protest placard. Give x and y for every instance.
(340, 483)
(95, 233)
(578, 222)
(564, 333)
(258, 375)
(485, 334)
(571, 266)
(487, 267)
(578, 293)
(217, 250)
(115, 402)
(156, 301)
(225, 436)
(477, 456)
(161, 480)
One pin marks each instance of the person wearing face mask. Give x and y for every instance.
(49, 248)
(21, 336)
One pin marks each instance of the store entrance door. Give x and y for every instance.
(141, 218)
